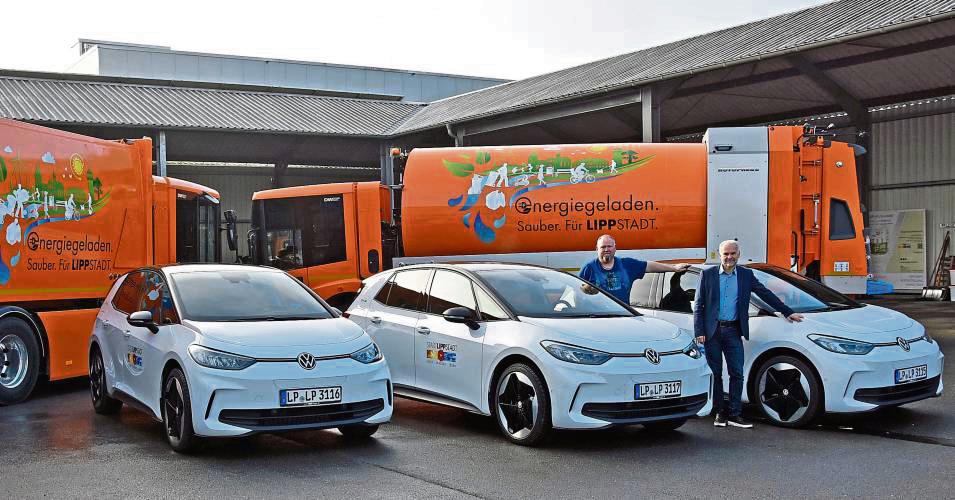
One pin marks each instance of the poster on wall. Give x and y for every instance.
(897, 239)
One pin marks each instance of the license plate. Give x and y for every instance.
(658, 390)
(309, 397)
(903, 375)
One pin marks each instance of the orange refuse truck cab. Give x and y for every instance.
(789, 195)
(76, 213)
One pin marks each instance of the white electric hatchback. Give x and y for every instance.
(224, 350)
(534, 347)
(844, 357)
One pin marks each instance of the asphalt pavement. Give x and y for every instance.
(54, 446)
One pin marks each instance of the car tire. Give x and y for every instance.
(177, 412)
(358, 431)
(99, 391)
(665, 425)
(788, 392)
(521, 405)
(19, 360)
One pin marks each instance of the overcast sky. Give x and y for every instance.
(495, 38)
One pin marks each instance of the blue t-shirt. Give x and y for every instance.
(618, 280)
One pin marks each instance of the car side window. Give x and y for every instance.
(407, 291)
(679, 291)
(156, 299)
(126, 299)
(641, 294)
(490, 311)
(382, 295)
(450, 289)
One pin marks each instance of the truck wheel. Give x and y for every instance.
(102, 402)
(788, 392)
(177, 412)
(19, 360)
(522, 405)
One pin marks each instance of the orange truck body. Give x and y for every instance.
(771, 188)
(76, 213)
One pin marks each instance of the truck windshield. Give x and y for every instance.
(237, 295)
(800, 293)
(545, 293)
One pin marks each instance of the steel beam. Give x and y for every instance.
(161, 166)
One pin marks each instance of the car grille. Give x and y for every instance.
(304, 416)
(899, 394)
(646, 411)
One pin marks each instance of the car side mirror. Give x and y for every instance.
(461, 315)
(143, 319)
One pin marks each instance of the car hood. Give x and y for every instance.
(868, 320)
(610, 334)
(310, 332)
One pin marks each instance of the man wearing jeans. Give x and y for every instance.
(721, 322)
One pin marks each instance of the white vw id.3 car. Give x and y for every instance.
(534, 347)
(219, 350)
(844, 357)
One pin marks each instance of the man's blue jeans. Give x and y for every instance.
(726, 342)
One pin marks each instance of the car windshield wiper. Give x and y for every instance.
(273, 318)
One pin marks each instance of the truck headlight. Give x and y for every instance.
(574, 354)
(211, 358)
(841, 346)
(368, 354)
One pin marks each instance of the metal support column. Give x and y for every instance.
(650, 104)
(278, 174)
(161, 168)
(387, 164)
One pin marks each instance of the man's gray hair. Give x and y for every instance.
(730, 242)
(602, 236)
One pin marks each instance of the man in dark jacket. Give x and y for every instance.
(721, 321)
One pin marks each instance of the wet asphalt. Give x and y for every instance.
(54, 446)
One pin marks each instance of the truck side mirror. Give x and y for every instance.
(230, 230)
(143, 319)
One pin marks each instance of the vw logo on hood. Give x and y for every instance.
(904, 344)
(306, 360)
(652, 356)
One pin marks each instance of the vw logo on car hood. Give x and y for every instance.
(306, 360)
(904, 344)
(652, 356)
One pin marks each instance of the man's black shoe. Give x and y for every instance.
(739, 421)
(720, 420)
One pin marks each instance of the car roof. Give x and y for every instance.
(475, 266)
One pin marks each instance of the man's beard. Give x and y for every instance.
(606, 259)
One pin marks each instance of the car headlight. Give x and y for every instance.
(210, 358)
(841, 346)
(574, 354)
(927, 338)
(693, 350)
(368, 354)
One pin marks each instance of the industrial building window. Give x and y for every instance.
(840, 221)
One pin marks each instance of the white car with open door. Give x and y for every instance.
(534, 347)
(222, 350)
(844, 357)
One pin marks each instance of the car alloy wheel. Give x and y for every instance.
(788, 392)
(102, 402)
(522, 405)
(177, 412)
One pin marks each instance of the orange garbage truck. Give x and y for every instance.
(77, 212)
(789, 195)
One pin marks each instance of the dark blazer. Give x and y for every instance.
(706, 310)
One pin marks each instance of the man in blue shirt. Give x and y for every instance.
(616, 275)
(721, 322)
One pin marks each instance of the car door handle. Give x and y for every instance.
(126, 334)
(376, 319)
(423, 330)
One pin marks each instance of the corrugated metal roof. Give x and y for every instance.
(155, 106)
(828, 23)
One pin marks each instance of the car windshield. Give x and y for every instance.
(236, 295)
(800, 293)
(546, 293)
